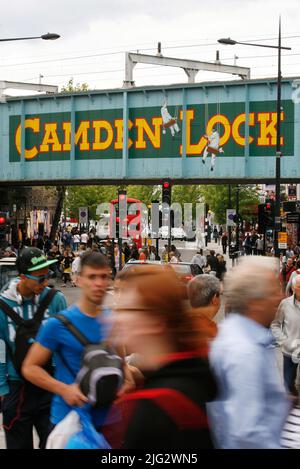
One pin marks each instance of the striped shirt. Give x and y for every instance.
(290, 437)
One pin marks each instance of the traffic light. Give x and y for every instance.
(266, 216)
(4, 225)
(166, 192)
(3, 219)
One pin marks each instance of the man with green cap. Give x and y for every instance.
(24, 303)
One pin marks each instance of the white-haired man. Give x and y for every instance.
(286, 330)
(251, 408)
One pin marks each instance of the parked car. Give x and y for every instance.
(185, 270)
(176, 233)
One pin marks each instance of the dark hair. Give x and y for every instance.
(94, 259)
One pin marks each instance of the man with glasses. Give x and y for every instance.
(24, 405)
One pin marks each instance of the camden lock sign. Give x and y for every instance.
(99, 134)
(171, 140)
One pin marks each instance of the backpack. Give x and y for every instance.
(101, 375)
(182, 410)
(26, 330)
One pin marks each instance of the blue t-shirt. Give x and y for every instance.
(57, 338)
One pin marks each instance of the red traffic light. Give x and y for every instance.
(2, 220)
(166, 185)
(268, 206)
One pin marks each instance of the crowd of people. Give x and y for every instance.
(206, 384)
(179, 379)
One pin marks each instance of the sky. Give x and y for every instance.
(96, 33)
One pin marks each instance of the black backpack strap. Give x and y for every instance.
(43, 305)
(11, 313)
(70, 326)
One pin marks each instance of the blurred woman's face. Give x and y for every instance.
(135, 328)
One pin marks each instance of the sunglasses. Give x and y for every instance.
(40, 279)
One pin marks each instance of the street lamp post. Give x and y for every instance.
(230, 41)
(46, 37)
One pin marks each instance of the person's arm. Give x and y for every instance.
(32, 369)
(277, 326)
(4, 356)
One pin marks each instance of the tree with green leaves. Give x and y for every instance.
(217, 197)
(88, 196)
(92, 196)
(70, 87)
(144, 193)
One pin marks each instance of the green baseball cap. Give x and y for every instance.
(32, 259)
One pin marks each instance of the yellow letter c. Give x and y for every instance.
(34, 125)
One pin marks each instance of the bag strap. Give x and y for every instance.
(11, 313)
(43, 305)
(180, 408)
(74, 331)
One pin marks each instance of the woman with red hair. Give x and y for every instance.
(153, 321)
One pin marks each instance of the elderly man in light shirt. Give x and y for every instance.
(252, 406)
(286, 330)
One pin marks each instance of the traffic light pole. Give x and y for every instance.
(229, 206)
(155, 223)
(166, 199)
(206, 224)
(278, 148)
(122, 204)
(237, 237)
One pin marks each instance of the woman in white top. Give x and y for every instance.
(84, 238)
(76, 241)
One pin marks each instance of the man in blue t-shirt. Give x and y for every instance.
(54, 338)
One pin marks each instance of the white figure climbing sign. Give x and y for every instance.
(212, 147)
(169, 122)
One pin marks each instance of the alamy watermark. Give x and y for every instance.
(137, 219)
